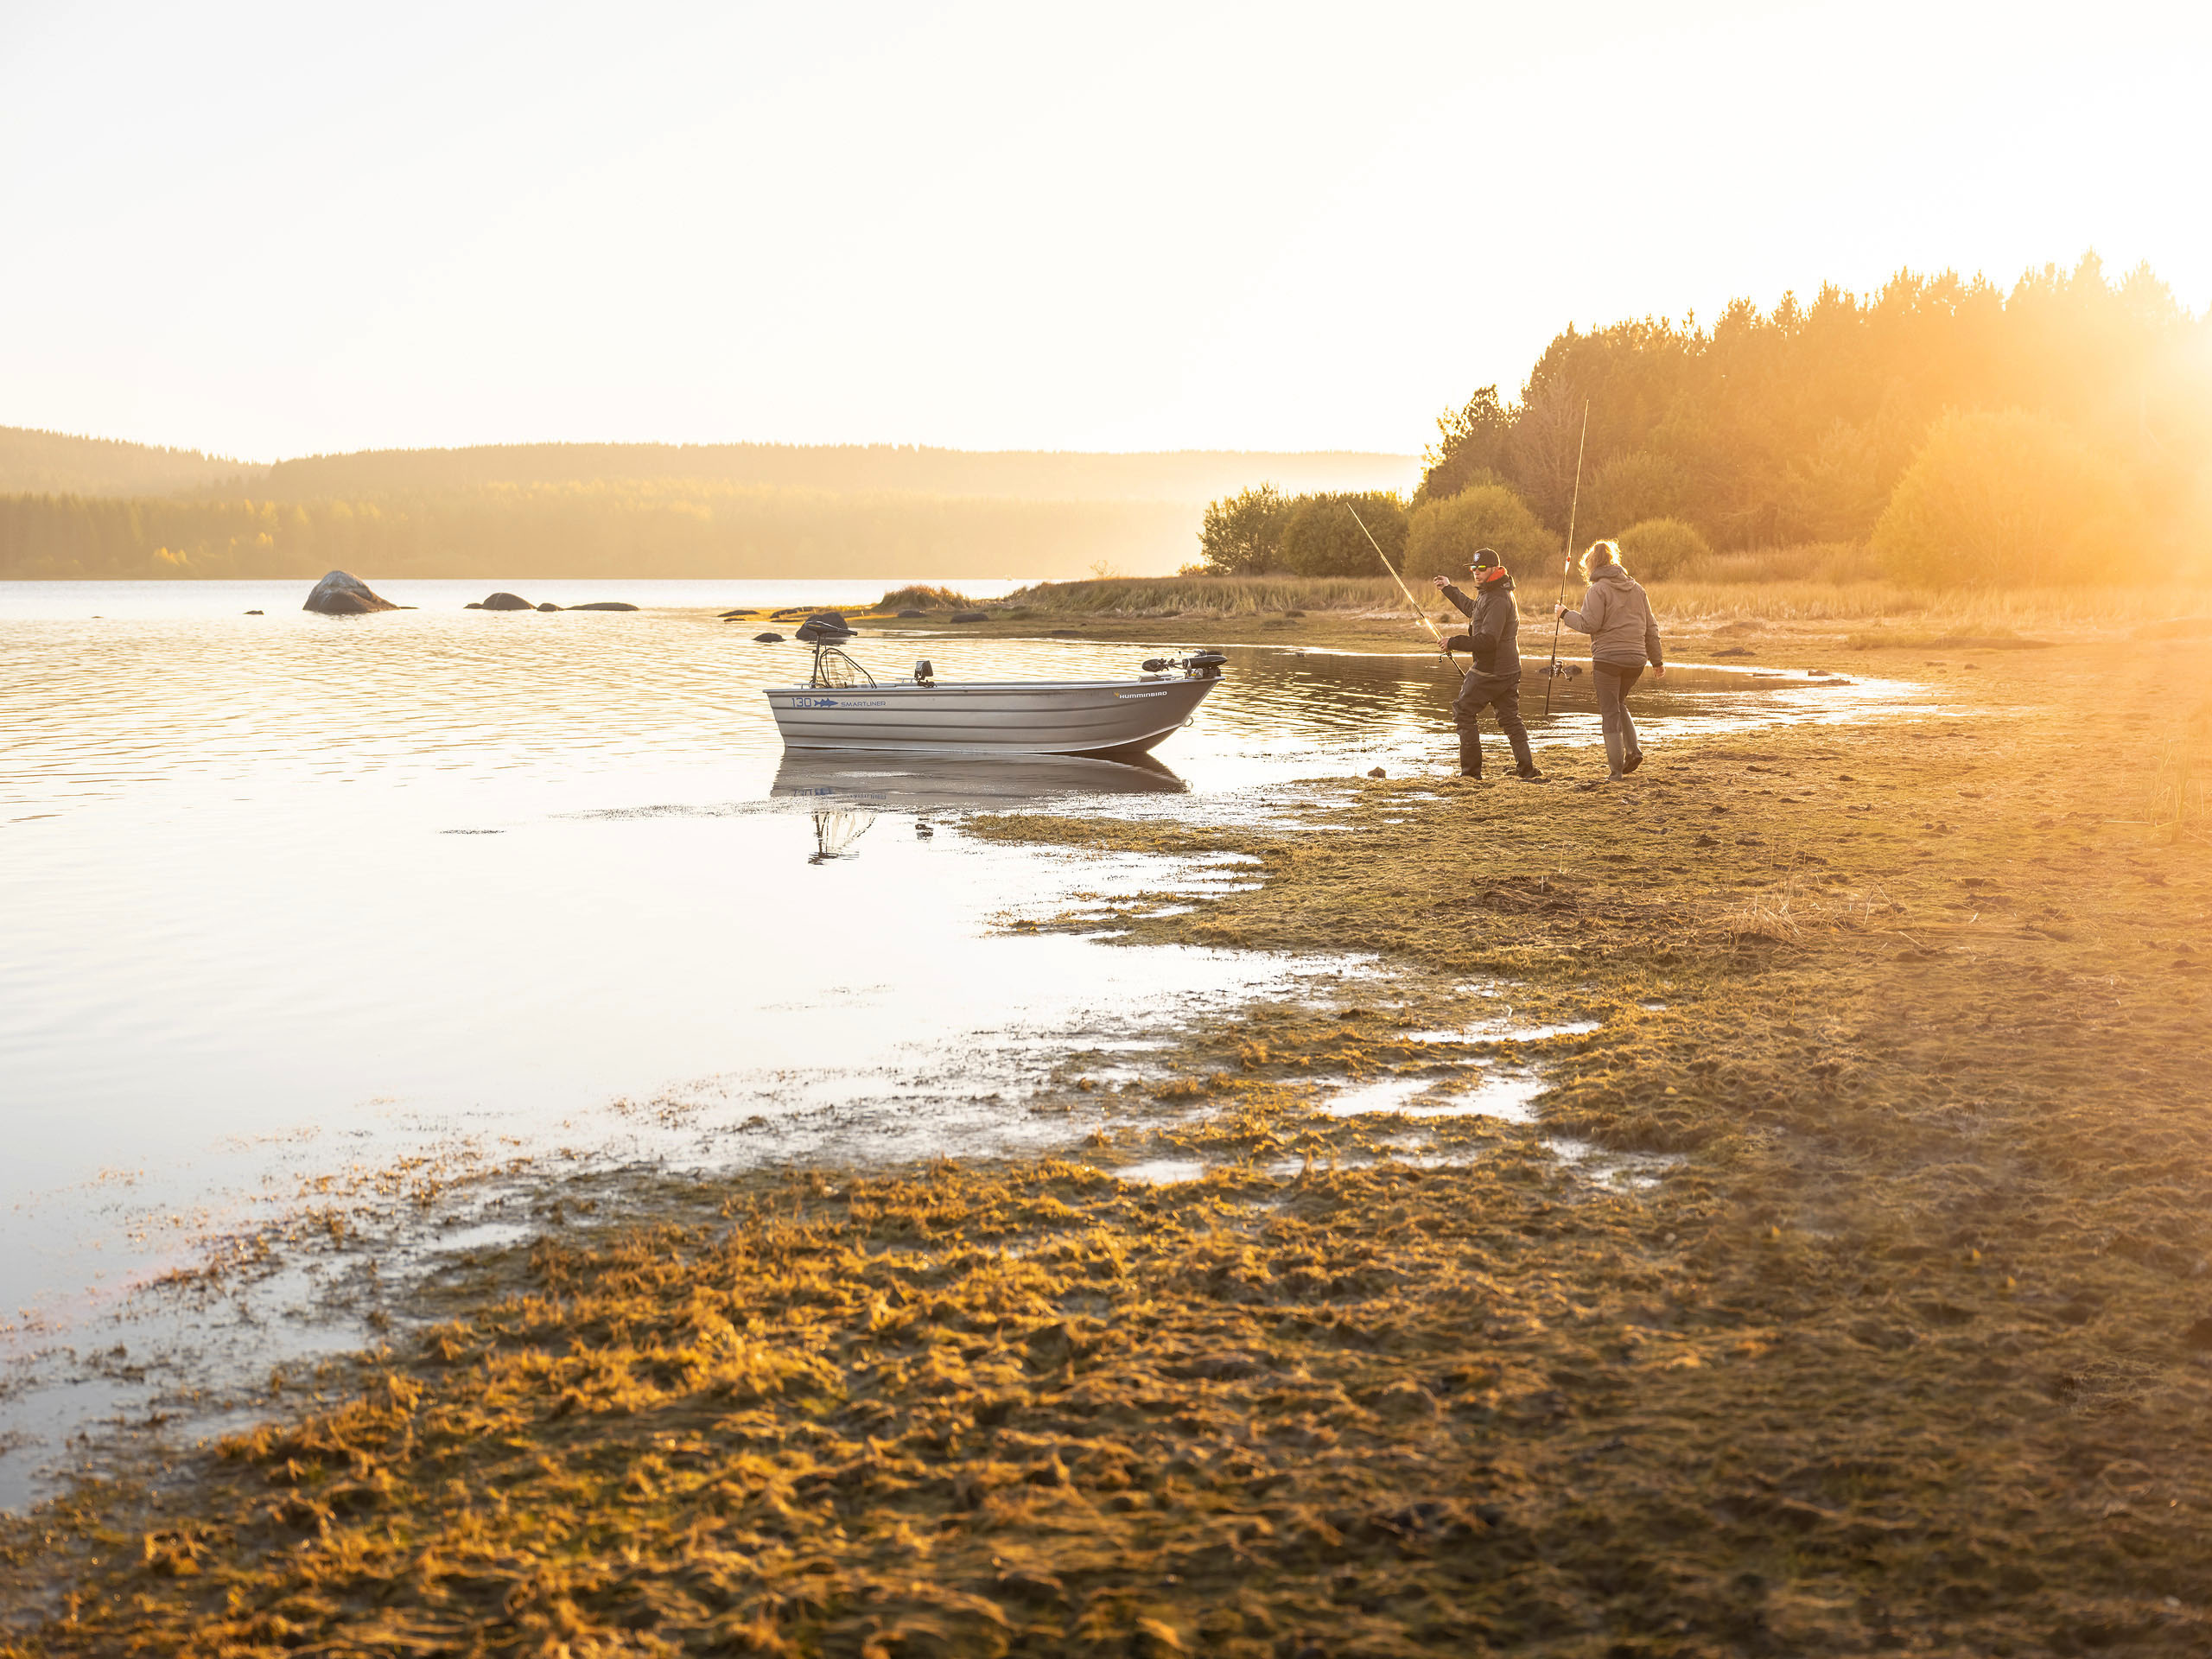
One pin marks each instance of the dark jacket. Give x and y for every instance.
(1493, 628)
(1617, 616)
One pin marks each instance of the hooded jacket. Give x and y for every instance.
(1493, 628)
(1617, 616)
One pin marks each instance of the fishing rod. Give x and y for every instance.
(1407, 591)
(1551, 674)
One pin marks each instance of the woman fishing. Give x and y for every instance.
(1617, 616)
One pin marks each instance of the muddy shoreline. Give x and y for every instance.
(1911, 1349)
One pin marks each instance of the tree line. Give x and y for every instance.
(2061, 430)
(673, 528)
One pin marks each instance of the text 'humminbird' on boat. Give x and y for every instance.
(843, 707)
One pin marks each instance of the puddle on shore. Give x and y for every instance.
(1497, 1031)
(1507, 1096)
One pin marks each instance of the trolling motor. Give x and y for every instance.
(1198, 665)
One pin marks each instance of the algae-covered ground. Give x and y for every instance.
(1907, 1348)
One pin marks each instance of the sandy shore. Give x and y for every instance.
(1909, 1347)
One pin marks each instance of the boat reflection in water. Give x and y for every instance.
(909, 783)
(835, 829)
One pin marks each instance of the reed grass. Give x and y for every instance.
(1221, 595)
(918, 596)
(1725, 590)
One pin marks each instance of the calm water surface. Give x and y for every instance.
(291, 898)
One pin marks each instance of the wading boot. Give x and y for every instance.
(1524, 762)
(1635, 759)
(1528, 775)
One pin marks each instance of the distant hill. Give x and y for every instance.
(1193, 476)
(74, 508)
(54, 463)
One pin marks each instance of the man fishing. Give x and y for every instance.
(1493, 640)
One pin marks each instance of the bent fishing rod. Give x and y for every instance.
(1402, 588)
(1551, 674)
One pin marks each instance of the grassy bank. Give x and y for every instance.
(1911, 1351)
(1329, 611)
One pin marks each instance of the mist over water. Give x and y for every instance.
(291, 897)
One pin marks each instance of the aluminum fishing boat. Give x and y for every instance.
(842, 706)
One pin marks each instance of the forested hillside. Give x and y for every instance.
(682, 529)
(660, 509)
(54, 463)
(1188, 475)
(2059, 431)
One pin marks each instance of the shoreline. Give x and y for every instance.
(1896, 1355)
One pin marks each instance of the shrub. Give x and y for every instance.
(1442, 536)
(2008, 500)
(1241, 534)
(1631, 489)
(1658, 548)
(1321, 539)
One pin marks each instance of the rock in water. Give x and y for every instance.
(768, 639)
(507, 602)
(340, 594)
(602, 605)
(547, 605)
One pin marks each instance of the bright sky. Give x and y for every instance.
(277, 229)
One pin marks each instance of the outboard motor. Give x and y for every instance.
(1198, 665)
(925, 674)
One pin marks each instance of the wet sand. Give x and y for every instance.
(1873, 1319)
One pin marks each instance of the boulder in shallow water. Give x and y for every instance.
(340, 594)
(602, 605)
(253, 613)
(504, 602)
(547, 605)
(768, 639)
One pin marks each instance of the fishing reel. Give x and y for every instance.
(1198, 665)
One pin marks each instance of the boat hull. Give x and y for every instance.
(1106, 717)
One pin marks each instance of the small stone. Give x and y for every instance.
(1376, 772)
(768, 639)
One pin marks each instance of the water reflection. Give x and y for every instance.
(835, 830)
(916, 783)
